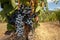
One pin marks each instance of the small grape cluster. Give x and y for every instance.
(12, 18)
(19, 25)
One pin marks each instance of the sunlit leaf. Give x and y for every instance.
(38, 8)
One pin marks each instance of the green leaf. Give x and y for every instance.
(38, 8)
(13, 3)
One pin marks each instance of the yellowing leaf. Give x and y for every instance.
(38, 8)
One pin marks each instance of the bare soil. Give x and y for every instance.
(46, 31)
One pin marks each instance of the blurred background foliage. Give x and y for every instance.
(9, 7)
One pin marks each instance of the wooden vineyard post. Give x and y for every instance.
(18, 4)
(32, 6)
(33, 3)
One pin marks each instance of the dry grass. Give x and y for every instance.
(47, 31)
(3, 28)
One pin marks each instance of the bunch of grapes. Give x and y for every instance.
(21, 17)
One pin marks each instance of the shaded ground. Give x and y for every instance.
(46, 31)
